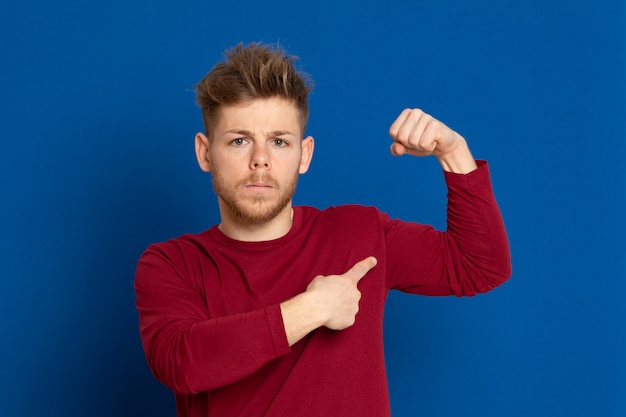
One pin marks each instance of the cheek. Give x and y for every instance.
(286, 168)
(287, 159)
(230, 163)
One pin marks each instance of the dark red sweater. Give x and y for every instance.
(209, 309)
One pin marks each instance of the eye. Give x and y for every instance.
(238, 141)
(280, 142)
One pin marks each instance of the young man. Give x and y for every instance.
(278, 310)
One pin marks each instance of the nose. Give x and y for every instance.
(260, 158)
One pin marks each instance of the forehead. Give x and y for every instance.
(260, 115)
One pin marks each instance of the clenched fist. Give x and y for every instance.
(419, 134)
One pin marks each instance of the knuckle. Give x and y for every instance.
(346, 279)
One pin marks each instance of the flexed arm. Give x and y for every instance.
(472, 255)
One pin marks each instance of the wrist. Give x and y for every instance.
(300, 316)
(458, 160)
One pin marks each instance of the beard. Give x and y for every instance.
(252, 210)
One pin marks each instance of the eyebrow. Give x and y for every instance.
(248, 133)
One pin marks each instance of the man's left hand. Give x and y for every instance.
(419, 134)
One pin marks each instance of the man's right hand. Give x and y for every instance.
(337, 297)
(331, 301)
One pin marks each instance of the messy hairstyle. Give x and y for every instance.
(250, 72)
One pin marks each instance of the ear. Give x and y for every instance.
(308, 145)
(202, 152)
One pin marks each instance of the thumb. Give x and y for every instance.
(397, 149)
(361, 268)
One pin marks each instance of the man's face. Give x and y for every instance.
(255, 155)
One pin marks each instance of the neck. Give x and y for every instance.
(278, 227)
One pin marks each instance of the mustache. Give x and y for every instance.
(266, 178)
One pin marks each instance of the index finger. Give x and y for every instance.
(394, 129)
(361, 268)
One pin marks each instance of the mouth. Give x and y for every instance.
(259, 187)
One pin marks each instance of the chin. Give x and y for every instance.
(258, 213)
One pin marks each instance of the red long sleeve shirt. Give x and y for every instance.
(211, 324)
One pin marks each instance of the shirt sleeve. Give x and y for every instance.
(188, 350)
(472, 256)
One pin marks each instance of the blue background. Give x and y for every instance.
(96, 127)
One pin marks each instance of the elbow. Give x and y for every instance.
(507, 271)
(482, 279)
(503, 269)
(172, 368)
(499, 270)
(176, 380)
(498, 276)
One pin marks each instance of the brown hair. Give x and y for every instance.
(249, 72)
